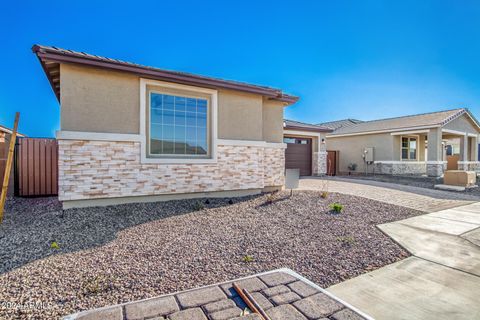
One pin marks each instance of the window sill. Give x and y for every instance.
(145, 160)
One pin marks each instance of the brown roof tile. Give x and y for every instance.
(49, 55)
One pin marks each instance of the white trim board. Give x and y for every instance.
(251, 143)
(97, 136)
(401, 133)
(460, 133)
(381, 131)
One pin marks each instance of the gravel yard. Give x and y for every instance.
(116, 254)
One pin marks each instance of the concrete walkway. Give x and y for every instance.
(422, 199)
(440, 281)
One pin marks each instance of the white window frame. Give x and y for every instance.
(174, 159)
(417, 156)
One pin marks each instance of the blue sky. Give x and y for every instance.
(357, 59)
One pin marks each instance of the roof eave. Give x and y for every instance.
(299, 128)
(157, 74)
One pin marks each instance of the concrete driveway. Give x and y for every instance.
(440, 281)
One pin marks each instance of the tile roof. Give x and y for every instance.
(297, 125)
(50, 57)
(425, 120)
(339, 123)
(7, 130)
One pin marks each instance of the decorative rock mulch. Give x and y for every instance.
(112, 255)
(283, 294)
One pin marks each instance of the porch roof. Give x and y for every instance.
(412, 122)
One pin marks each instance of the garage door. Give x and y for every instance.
(299, 154)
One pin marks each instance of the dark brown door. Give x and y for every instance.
(299, 154)
(332, 163)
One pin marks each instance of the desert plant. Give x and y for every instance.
(97, 284)
(324, 189)
(346, 240)
(198, 206)
(270, 198)
(54, 245)
(247, 258)
(336, 207)
(352, 166)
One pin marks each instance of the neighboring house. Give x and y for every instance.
(334, 125)
(305, 147)
(5, 134)
(415, 144)
(132, 133)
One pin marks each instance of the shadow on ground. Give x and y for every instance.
(31, 225)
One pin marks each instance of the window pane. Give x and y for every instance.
(156, 139)
(404, 154)
(201, 106)
(156, 100)
(179, 104)
(179, 147)
(202, 147)
(404, 142)
(413, 154)
(180, 133)
(201, 134)
(168, 118)
(168, 102)
(156, 115)
(179, 118)
(178, 125)
(191, 119)
(288, 140)
(413, 143)
(191, 105)
(201, 120)
(167, 147)
(168, 133)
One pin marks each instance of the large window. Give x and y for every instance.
(409, 148)
(178, 125)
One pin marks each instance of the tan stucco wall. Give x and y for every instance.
(240, 116)
(351, 149)
(463, 124)
(95, 100)
(272, 121)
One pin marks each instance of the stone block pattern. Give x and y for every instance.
(406, 168)
(435, 170)
(106, 169)
(319, 163)
(281, 295)
(469, 166)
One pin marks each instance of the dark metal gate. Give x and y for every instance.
(36, 167)
(332, 158)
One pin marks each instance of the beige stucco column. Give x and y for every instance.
(435, 153)
(464, 147)
(473, 149)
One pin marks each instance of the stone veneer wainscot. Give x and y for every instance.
(106, 169)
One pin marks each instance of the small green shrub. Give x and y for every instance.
(198, 206)
(270, 198)
(248, 258)
(346, 240)
(336, 207)
(54, 245)
(97, 284)
(352, 166)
